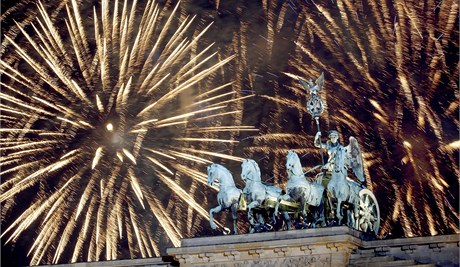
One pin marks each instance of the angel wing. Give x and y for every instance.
(304, 84)
(355, 158)
(320, 81)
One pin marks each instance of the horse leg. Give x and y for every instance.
(249, 209)
(211, 219)
(287, 219)
(351, 218)
(350, 213)
(339, 210)
(327, 205)
(320, 214)
(283, 197)
(275, 213)
(330, 211)
(303, 205)
(260, 218)
(235, 218)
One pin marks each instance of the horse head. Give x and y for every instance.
(250, 170)
(293, 165)
(212, 173)
(220, 174)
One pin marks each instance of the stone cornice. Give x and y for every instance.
(323, 246)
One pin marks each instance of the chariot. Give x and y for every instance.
(362, 210)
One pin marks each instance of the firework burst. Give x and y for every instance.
(115, 120)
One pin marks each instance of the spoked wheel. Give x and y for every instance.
(369, 212)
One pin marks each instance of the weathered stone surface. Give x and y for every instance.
(439, 250)
(336, 246)
(310, 247)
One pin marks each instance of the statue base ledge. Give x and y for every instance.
(316, 233)
(322, 246)
(330, 246)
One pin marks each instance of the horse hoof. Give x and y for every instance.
(225, 231)
(267, 227)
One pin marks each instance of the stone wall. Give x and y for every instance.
(311, 247)
(334, 246)
(437, 250)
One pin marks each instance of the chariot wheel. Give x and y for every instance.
(368, 213)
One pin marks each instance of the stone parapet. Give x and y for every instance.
(334, 246)
(437, 250)
(310, 247)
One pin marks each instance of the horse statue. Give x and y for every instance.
(343, 188)
(229, 195)
(257, 194)
(300, 190)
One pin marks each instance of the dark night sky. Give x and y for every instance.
(390, 81)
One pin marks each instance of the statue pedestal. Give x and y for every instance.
(310, 247)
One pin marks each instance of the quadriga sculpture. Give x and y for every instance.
(258, 195)
(364, 214)
(300, 190)
(229, 195)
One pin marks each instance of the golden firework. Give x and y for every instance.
(386, 65)
(117, 111)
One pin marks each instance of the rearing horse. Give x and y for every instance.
(228, 196)
(344, 189)
(256, 192)
(299, 189)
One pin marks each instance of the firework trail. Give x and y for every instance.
(391, 81)
(391, 72)
(108, 137)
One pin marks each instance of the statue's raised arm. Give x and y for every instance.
(317, 142)
(333, 148)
